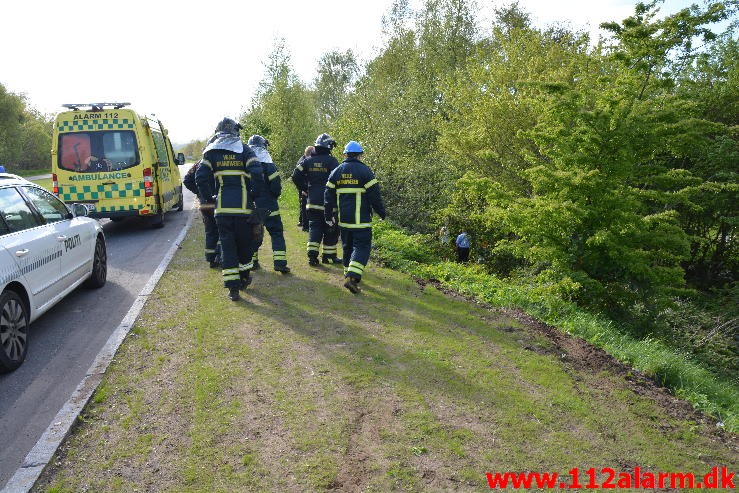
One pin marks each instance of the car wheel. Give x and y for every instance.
(13, 331)
(99, 266)
(157, 221)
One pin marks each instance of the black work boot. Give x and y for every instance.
(216, 262)
(233, 294)
(282, 268)
(351, 285)
(313, 261)
(331, 259)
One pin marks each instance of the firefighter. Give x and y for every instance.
(227, 178)
(310, 176)
(273, 221)
(303, 195)
(212, 246)
(353, 189)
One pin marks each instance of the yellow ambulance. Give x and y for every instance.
(119, 162)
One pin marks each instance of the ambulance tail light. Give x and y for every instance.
(55, 184)
(148, 183)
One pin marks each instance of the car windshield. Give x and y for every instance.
(90, 152)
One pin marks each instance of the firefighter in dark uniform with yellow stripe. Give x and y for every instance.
(212, 247)
(268, 200)
(227, 176)
(311, 176)
(354, 191)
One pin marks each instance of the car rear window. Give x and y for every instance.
(92, 152)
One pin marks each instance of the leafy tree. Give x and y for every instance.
(282, 111)
(337, 71)
(12, 109)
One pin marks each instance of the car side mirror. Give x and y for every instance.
(180, 159)
(82, 209)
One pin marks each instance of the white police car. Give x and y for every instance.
(46, 251)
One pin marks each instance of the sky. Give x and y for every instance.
(192, 63)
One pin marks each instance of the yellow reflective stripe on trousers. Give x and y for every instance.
(229, 271)
(232, 277)
(279, 255)
(355, 267)
(317, 207)
(210, 250)
(245, 267)
(313, 246)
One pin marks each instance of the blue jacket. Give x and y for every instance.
(272, 189)
(311, 176)
(354, 191)
(229, 180)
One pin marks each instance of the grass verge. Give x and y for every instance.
(304, 387)
(716, 396)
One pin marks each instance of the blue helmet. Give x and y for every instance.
(325, 140)
(258, 140)
(353, 146)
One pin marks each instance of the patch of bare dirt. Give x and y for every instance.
(581, 357)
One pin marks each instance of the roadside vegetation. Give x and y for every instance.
(25, 136)
(597, 179)
(305, 387)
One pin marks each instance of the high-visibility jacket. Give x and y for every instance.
(273, 188)
(311, 176)
(230, 181)
(354, 191)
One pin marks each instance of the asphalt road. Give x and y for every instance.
(66, 339)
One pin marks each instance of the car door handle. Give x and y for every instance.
(61, 238)
(21, 253)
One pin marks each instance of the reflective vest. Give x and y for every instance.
(229, 181)
(354, 191)
(311, 176)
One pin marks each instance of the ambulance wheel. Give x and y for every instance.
(157, 221)
(99, 266)
(13, 331)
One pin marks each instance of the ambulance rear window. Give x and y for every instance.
(90, 152)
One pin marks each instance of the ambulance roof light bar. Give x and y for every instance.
(95, 106)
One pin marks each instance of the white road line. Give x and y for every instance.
(28, 473)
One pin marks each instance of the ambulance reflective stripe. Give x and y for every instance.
(355, 267)
(274, 175)
(274, 213)
(278, 255)
(230, 274)
(313, 246)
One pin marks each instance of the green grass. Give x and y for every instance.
(28, 172)
(713, 394)
(305, 387)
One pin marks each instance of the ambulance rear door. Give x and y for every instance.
(164, 169)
